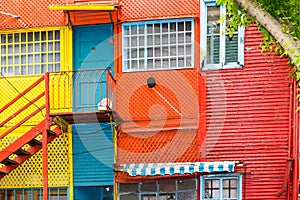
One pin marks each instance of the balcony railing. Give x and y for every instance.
(81, 90)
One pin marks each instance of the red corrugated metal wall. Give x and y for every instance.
(248, 118)
(133, 10)
(32, 14)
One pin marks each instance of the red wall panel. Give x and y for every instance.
(248, 118)
(32, 14)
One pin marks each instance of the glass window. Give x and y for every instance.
(154, 45)
(30, 52)
(163, 190)
(32, 194)
(221, 187)
(218, 49)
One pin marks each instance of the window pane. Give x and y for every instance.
(213, 50)
(37, 36)
(166, 196)
(3, 49)
(148, 197)
(211, 188)
(148, 187)
(187, 195)
(167, 186)
(231, 54)
(129, 197)
(187, 184)
(128, 187)
(213, 35)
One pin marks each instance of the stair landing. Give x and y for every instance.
(85, 117)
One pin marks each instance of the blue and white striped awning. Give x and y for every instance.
(152, 169)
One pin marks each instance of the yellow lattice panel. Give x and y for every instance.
(29, 174)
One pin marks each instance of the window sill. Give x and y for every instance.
(218, 67)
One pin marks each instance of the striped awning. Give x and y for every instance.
(152, 169)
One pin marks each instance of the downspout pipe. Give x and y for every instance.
(295, 150)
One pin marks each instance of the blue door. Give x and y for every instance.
(93, 154)
(93, 50)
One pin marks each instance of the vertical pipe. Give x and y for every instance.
(290, 140)
(295, 141)
(107, 81)
(44, 139)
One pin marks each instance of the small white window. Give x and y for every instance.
(158, 45)
(218, 49)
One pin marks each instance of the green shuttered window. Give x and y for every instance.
(218, 49)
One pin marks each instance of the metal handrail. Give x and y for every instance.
(81, 90)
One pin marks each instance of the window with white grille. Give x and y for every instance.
(158, 45)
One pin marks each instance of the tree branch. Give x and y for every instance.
(273, 26)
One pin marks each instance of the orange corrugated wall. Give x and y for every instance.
(248, 118)
(150, 117)
(33, 13)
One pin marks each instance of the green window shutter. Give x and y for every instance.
(231, 49)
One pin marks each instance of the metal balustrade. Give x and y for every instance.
(81, 90)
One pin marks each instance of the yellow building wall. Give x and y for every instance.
(29, 174)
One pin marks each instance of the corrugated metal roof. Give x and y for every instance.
(32, 14)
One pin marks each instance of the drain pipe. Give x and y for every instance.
(295, 150)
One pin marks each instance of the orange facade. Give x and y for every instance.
(31, 14)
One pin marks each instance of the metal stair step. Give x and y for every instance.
(22, 152)
(8, 162)
(34, 142)
(2, 173)
(51, 133)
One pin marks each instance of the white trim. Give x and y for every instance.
(164, 59)
(203, 33)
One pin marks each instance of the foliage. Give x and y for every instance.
(286, 12)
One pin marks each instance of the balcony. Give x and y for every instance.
(82, 96)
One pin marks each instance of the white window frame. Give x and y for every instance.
(181, 59)
(203, 30)
(220, 177)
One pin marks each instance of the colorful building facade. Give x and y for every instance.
(146, 100)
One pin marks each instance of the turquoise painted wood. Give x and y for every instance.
(93, 151)
(93, 154)
(93, 50)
